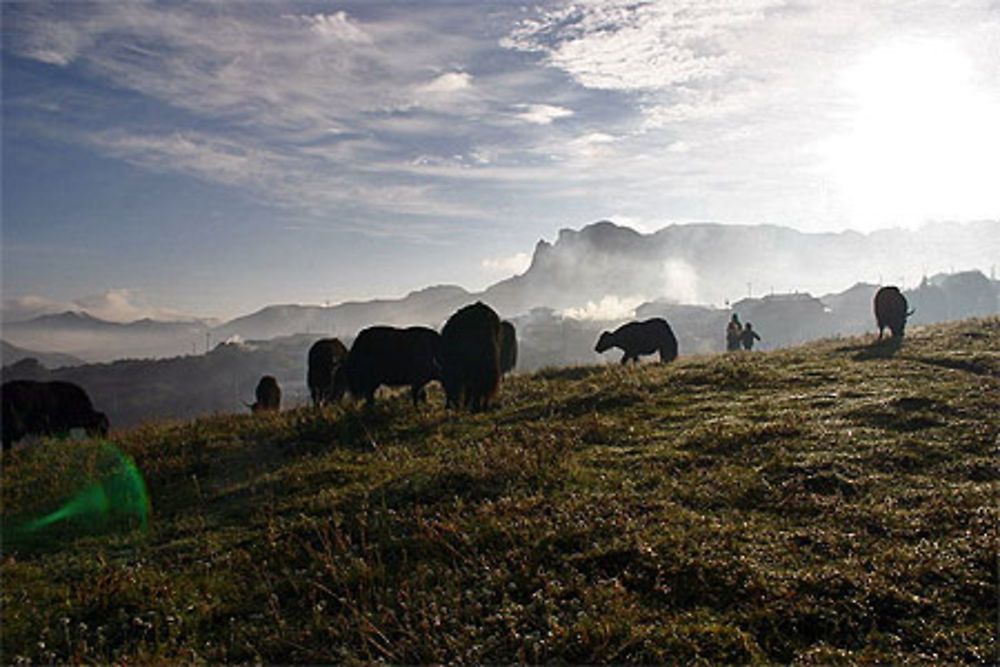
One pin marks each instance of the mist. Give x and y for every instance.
(598, 276)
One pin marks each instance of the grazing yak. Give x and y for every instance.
(47, 408)
(508, 347)
(890, 311)
(383, 355)
(268, 395)
(470, 357)
(635, 338)
(325, 357)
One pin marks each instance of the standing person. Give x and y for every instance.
(748, 336)
(734, 330)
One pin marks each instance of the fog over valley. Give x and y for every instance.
(793, 287)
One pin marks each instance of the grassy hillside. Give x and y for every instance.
(836, 501)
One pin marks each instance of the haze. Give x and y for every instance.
(175, 159)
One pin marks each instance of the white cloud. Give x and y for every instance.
(115, 305)
(623, 45)
(337, 26)
(687, 108)
(680, 281)
(29, 307)
(450, 82)
(609, 308)
(512, 265)
(541, 114)
(124, 305)
(591, 145)
(297, 110)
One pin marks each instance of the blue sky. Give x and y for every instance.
(211, 158)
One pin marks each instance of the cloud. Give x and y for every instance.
(115, 305)
(699, 110)
(541, 114)
(292, 180)
(451, 82)
(46, 36)
(284, 107)
(609, 308)
(514, 264)
(337, 26)
(623, 45)
(680, 281)
(28, 307)
(124, 305)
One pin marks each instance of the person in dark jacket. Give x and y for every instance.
(734, 331)
(748, 336)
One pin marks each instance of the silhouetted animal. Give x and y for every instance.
(890, 311)
(508, 347)
(268, 395)
(470, 357)
(635, 338)
(325, 357)
(393, 357)
(47, 408)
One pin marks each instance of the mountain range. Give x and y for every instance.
(603, 271)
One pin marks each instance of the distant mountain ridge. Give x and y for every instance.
(222, 380)
(93, 339)
(11, 354)
(710, 263)
(429, 306)
(600, 264)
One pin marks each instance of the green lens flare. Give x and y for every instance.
(116, 493)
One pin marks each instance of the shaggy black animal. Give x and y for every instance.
(325, 357)
(470, 357)
(891, 311)
(47, 408)
(268, 395)
(635, 338)
(508, 347)
(393, 357)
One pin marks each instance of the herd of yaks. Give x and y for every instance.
(468, 357)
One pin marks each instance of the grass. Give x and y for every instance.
(835, 502)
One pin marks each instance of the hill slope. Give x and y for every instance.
(832, 501)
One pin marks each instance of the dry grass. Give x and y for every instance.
(834, 502)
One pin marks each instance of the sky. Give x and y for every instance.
(174, 158)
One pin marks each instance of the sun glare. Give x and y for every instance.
(922, 141)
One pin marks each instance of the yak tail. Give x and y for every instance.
(910, 312)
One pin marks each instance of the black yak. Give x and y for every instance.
(508, 347)
(393, 357)
(325, 356)
(470, 357)
(635, 338)
(268, 395)
(47, 408)
(891, 311)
